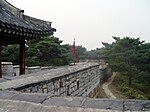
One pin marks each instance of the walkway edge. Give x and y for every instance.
(106, 84)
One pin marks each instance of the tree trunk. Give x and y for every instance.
(130, 79)
(130, 76)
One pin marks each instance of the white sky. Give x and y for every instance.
(91, 22)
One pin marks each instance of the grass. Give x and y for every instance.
(116, 86)
(120, 89)
(102, 93)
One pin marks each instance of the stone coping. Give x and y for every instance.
(7, 63)
(34, 67)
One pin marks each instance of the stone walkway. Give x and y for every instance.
(106, 84)
(14, 101)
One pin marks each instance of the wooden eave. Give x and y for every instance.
(13, 28)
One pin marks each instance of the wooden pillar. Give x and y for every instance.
(22, 56)
(0, 59)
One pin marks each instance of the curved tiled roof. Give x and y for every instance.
(17, 24)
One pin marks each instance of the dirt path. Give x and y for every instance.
(106, 84)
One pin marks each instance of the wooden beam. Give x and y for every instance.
(22, 56)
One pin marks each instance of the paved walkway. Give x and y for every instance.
(106, 84)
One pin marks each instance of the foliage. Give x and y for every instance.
(66, 54)
(47, 51)
(80, 53)
(42, 51)
(93, 54)
(133, 92)
(131, 57)
(122, 55)
(10, 53)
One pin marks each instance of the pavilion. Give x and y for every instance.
(16, 28)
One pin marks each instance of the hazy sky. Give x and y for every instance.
(91, 22)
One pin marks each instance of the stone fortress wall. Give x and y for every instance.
(79, 83)
(62, 89)
(78, 80)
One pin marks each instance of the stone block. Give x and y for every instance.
(136, 105)
(8, 94)
(64, 101)
(7, 69)
(104, 104)
(30, 97)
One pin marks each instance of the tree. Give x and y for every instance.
(45, 51)
(80, 52)
(41, 51)
(10, 53)
(122, 55)
(66, 54)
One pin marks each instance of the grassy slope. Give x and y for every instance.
(115, 87)
(102, 93)
(120, 89)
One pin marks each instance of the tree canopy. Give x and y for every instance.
(42, 51)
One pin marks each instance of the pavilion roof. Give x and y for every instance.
(13, 23)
